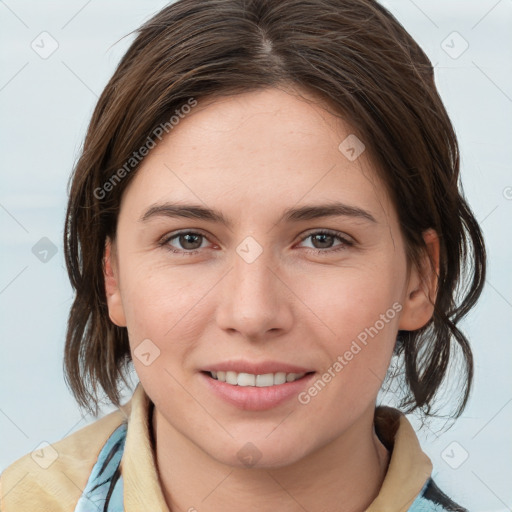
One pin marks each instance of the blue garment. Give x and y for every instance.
(432, 499)
(104, 489)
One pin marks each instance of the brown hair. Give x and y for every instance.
(353, 55)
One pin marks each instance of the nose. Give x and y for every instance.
(255, 301)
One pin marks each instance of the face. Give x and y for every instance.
(251, 248)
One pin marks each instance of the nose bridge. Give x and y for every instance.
(254, 300)
(252, 277)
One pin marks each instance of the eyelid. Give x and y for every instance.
(173, 234)
(345, 239)
(328, 231)
(303, 236)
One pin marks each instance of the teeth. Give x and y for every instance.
(279, 378)
(260, 381)
(231, 378)
(263, 381)
(246, 379)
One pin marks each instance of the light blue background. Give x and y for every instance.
(45, 107)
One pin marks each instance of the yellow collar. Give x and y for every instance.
(54, 477)
(409, 467)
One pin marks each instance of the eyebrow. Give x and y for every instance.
(196, 211)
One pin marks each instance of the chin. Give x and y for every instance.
(260, 453)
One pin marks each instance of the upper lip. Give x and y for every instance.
(261, 368)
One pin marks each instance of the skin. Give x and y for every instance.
(252, 156)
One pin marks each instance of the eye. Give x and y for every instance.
(323, 241)
(190, 242)
(184, 242)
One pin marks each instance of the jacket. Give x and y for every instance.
(109, 466)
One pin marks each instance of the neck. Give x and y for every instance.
(345, 474)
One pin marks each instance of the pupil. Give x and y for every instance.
(322, 239)
(187, 240)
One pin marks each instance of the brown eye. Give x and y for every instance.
(186, 242)
(328, 242)
(322, 241)
(190, 240)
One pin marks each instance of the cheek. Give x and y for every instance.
(162, 331)
(164, 306)
(359, 311)
(349, 300)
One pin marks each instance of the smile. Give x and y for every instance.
(255, 391)
(259, 381)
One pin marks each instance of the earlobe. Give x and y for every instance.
(418, 306)
(112, 291)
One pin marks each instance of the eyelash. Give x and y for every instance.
(345, 242)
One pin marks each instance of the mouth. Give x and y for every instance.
(252, 380)
(256, 391)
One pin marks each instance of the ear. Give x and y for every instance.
(112, 291)
(418, 306)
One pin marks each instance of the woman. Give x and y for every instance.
(264, 217)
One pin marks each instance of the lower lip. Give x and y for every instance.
(252, 398)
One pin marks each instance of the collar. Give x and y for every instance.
(409, 467)
(142, 490)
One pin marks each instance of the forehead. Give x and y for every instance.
(256, 150)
